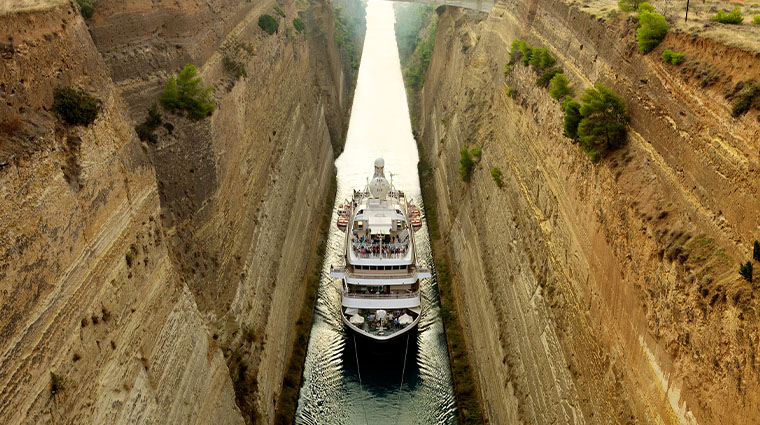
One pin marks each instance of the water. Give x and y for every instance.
(331, 391)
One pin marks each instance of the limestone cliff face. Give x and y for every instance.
(597, 293)
(89, 291)
(156, 277)
(242, 191)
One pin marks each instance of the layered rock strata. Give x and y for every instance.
(156, 278)
(597, 293)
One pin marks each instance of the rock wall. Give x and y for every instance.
(89, 290)
(242, 192)
(160, 280)
(597, 293)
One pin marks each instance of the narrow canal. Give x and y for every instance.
(348, 383)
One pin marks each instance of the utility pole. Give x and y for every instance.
(687, 11)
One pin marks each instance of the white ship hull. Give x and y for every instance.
(380, 294)
(380, 338)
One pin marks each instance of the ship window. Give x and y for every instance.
(373, 267)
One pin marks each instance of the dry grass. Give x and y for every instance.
(10, 6)
(745, 36)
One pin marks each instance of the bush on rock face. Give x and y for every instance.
(465, 164)
(75, 106)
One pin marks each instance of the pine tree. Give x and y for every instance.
(604, 120)
(560, 87)
(184, 92)
(572, 117)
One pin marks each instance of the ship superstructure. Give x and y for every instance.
(380, 294)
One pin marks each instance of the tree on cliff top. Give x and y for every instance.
(184, 92)
(603, 125)
(628, 5)
(652, 28)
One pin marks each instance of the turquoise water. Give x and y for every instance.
(335, 364)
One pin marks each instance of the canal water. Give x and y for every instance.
(349, 381)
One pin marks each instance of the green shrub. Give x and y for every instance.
(628, 5)
(496, 176)
(673, 57)
(747, 98)
(645, 7)
(146, 130)
(477, 152)
(745, 270)
(235, 68)
(86, 8)
(756, 19)
(75, 106)
(734, 17)
(572, 117)
(560, 87)
(507, 69)
(510, 92)
(466, 164)
(184, 92)
(279, 11)
(517, 51)
(268, 24)
(541, 58)
(56, 384)
(298, 24)
(756, 250)
(521, 51)
(603, 125)
(546, 77)
(651, 31)
(678, 58)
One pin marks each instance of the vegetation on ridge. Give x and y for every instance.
(675, 58)
(86, 8)
(652, 28)
(734, 17)
(184, 93)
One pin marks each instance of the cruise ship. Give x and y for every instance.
(380, 293)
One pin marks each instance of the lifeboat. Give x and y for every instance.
(344, 212)
(414, 217)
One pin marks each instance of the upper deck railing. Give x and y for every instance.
(396, 296)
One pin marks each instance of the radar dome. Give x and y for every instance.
(379, 187)
(379, 164)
